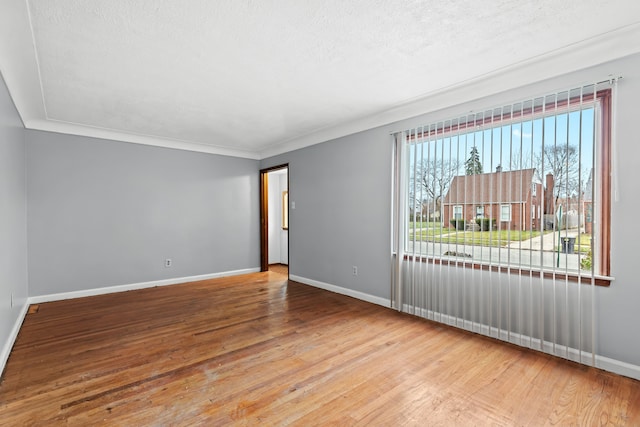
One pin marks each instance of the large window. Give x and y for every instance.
(533, 177)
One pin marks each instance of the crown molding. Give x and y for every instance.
(584, 54)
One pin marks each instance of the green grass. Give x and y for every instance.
(496, 238)
(582, 245)
(424, 224)
(430, 233)
(433, 232)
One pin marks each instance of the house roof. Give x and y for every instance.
(496, 187)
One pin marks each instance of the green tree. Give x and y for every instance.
(473, 166)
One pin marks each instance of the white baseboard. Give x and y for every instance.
(38, 299)
(618, 367)
(133, 286)
(8, 345)
(586, 358)
(344, 291)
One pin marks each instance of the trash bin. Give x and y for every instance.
(568, 244)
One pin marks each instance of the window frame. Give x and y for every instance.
(602, 101)
(502, 213)
(455, 213)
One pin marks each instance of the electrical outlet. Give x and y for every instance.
(355, 270)
(293, 205)
(168, 262)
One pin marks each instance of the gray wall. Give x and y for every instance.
(13, 226)
(342, 190)
(342, 217)
(104, 213)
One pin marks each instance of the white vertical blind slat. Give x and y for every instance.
(546, 310)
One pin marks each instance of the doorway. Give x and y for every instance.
(274, 219)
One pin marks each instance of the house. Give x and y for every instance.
(512, 198)
(136, 132)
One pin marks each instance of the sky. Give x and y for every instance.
(514, 145)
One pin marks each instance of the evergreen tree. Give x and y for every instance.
(473, 166)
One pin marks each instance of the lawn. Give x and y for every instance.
(424, 224)
(583, 244)
(496, 238)
(428, 234)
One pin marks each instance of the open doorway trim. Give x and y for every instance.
(264, 213)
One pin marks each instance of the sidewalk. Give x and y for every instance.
(545, 242)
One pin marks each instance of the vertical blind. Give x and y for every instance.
(501, 219)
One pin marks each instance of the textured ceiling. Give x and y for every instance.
(255, 78)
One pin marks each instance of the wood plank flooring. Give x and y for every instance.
(258, 349)
(279, 268)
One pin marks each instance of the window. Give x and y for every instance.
(457, 212)
(505, 213)
(534, 171)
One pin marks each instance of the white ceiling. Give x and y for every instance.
(256, 78)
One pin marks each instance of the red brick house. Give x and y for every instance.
(512, 198)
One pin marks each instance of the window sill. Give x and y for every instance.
(604, 281)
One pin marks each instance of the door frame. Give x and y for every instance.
(264, 214)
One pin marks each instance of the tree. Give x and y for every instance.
(430, 182)
(520, 160)
(473, 166)
(562, 161)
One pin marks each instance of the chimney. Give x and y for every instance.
(549, 207)
(499, 168)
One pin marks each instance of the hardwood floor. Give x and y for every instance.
(280, 269)
(257, 349)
